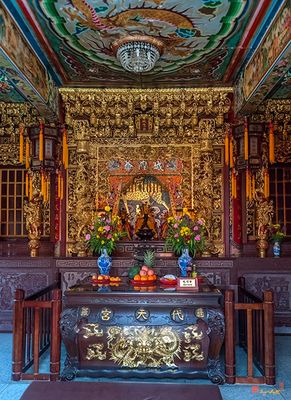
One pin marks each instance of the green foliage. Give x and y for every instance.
(133, 271)
(149, 258)
(184, 232)
(276, 233)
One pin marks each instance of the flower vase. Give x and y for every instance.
(104, 262)
(276, 249)
(183, 262)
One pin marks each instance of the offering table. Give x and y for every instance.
(129, 331)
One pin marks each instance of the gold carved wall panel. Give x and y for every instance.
(116, 136)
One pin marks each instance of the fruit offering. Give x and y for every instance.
(145, 274)
(105, 278)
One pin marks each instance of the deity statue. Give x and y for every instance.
(145, 220)
(125, 224)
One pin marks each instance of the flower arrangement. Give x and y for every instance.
(276, 233)
(105, 232)
(184, 232)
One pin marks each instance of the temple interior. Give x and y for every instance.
(145, 198)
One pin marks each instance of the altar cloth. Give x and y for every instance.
(119, 391)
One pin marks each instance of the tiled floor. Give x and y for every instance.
(13, 390)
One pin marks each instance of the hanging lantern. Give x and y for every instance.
(43, 147)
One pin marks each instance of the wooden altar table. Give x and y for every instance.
(156, 331)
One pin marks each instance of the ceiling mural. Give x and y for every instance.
(198, 37)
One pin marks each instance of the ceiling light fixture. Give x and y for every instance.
(138, 53)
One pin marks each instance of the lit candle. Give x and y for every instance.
(271, 143)
(41, 142)
(226, 148)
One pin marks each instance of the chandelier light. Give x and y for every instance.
(138, 53)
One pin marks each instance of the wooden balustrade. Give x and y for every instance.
(35, 329)
(256, 335)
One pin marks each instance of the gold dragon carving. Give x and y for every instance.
(151, 347)
(135, 124)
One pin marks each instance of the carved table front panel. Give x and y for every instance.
(124, 331)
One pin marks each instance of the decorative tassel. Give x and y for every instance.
(271, 144)
(41, 143)
(62, 188)
(21, 142)
(26, 185)
(266, 184)
(233, 185)
(65, 149)
(246, 140)
(226, 148)
(48, 188)
(42, 184)
(59, 185)
(248, 184)
(231, 160)
(30, 188)
(27, 153)
(253, 187)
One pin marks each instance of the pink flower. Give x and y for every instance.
(196, 228)
(91, 227)
(88, 236)
(107, 228)
(200, 221)
(109, 236)
(176, 226)
(107, 221)
(197, 238)
(176, 235)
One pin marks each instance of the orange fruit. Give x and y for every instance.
(154, 277)
(136, 277)
(144, 278)
(151, 278)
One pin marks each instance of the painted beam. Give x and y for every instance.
(24, 70)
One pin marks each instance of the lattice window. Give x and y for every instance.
(12, 192)
(280, 191)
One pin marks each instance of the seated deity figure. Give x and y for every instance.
(125, 224)
(145, 219)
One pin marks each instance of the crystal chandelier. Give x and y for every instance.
(138, 53)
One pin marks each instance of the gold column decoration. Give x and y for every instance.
(264, 215)
(33, 214)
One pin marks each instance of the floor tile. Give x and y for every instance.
(13, 391)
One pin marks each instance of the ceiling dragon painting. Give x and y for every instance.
(198, 37)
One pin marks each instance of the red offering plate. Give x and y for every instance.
(168, 282)
(143, 283)
(101, 281)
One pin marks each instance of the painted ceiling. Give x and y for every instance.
(199, 38)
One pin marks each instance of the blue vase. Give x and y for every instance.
(276, 249)
(104, 263)
(183, 262)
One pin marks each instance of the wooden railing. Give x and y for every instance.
(256, 335)
(35, 329)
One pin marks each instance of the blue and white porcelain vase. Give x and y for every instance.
(183, 262)
(104, 262)
(277, 249)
